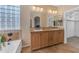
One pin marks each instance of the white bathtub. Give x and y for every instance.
(14, 47)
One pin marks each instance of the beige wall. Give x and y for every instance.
(25, 24)
(25, 19)
(44, 14)
(16, 35)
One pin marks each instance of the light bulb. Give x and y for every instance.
(33, 8)
(55, 12)
(50, 11)
(41, 9)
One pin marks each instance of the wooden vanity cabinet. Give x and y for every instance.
(61, 36)
(50, 38)
(35, 40)
(55, 37)
(43, 39)
(46, 38)
(58, 36)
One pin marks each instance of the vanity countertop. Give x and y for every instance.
(47, 29)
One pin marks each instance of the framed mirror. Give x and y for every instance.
(37, 22)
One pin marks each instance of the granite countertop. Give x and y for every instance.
(47, 29)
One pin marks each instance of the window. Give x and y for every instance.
(9, 17)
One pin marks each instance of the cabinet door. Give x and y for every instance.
(55, 36)
(61, 36)
(44, 39)
(35, 40)
(58, 36)
(50, 38)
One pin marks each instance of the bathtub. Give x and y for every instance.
(13, 47)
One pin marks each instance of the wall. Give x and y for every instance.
(44, 14)
(25, 24)
(16, 34)
(25, 21)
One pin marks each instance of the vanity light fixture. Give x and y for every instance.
(38, 9)
(41, 9)
(50, 11)
(55, 12)
(33, 8)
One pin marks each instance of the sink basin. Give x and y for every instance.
(38, 30)
(53, 28)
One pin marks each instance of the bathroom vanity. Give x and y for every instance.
(46, 37)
